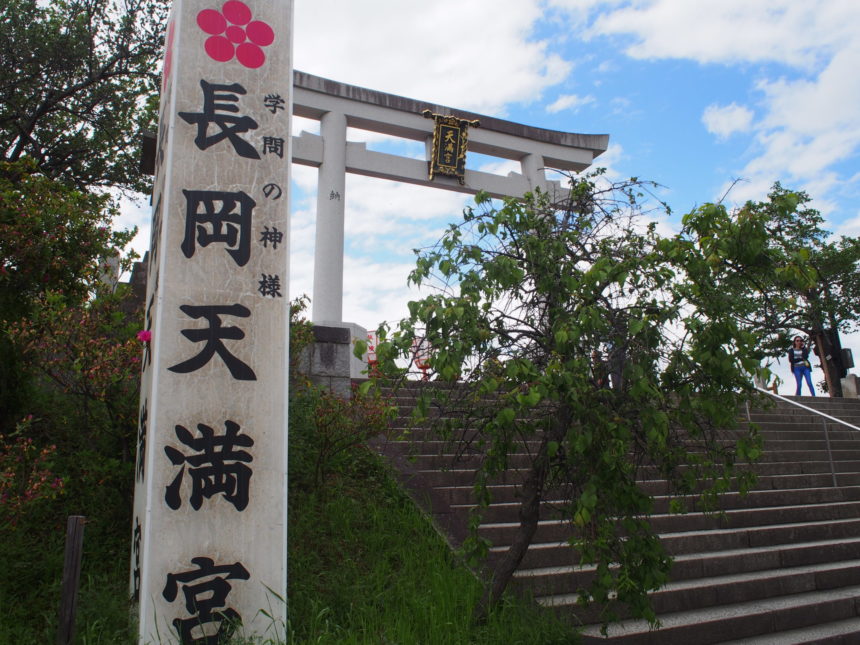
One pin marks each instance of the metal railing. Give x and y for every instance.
(824, 419)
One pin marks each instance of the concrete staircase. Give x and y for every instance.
(781, 565)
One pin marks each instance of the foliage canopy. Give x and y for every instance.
(579, 335)
(78, 81)
(795, 276)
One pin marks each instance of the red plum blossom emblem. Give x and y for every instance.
(232, 32)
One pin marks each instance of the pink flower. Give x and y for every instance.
(144, 335)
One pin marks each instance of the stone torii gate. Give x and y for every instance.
(338, 106)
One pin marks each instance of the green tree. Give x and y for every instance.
(575, 329)
(77, 81)
(54, 239)
(799, 279)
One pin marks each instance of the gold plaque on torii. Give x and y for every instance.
(450, 138)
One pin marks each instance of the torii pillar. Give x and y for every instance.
(331, 196)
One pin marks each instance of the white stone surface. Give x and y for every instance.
(851, 387)
(210, 496)
(327, 298)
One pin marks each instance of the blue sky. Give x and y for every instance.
(693, 93)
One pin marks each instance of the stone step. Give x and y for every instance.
(770, 433)
(747, 587)
(508, 512)
(719, 532)
(550, 549)
(462, 495)
(839, 632)
(740, 621)
(433, 461)
(777, 442)
(788, 418)
(559, 580)
(781, 476)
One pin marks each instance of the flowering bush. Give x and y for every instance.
(26, 476)
(326, 431)
(301, 335)
(85, 360)
(88, 351)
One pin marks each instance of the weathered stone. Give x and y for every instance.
(851, 387)
(210, 514)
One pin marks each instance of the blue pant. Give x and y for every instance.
(801, 371)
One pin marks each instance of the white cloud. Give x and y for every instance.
(501, 167)
(569, 102)
(430, 50)
(731, 31)
(807, 109)
(613, 157)
(622, 105)
(727, 120)
(850, 228)
(135, 213)
(376, 291)
(808, 128)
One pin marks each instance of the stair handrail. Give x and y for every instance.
(823, 422)
(806, 407)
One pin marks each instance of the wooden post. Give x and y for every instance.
(71, 579)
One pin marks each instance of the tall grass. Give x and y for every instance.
(365, 567)
(30, 578)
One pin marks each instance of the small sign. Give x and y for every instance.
(450, 138)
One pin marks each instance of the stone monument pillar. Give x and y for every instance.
(210, 508)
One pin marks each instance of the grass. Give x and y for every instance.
(365, 566)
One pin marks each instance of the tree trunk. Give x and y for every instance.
(825, 349)
(529, 513)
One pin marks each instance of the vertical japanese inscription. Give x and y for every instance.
(213, 337)
(205, 590)
(215, 466)
(211, 432)
(218, 216)
(220, 110)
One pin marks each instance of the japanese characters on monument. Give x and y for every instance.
(209, 528)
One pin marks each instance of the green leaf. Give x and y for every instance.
(505, 416)
(359, 348)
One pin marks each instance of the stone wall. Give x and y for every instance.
(329, 361)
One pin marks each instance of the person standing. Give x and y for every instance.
(798, 358)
